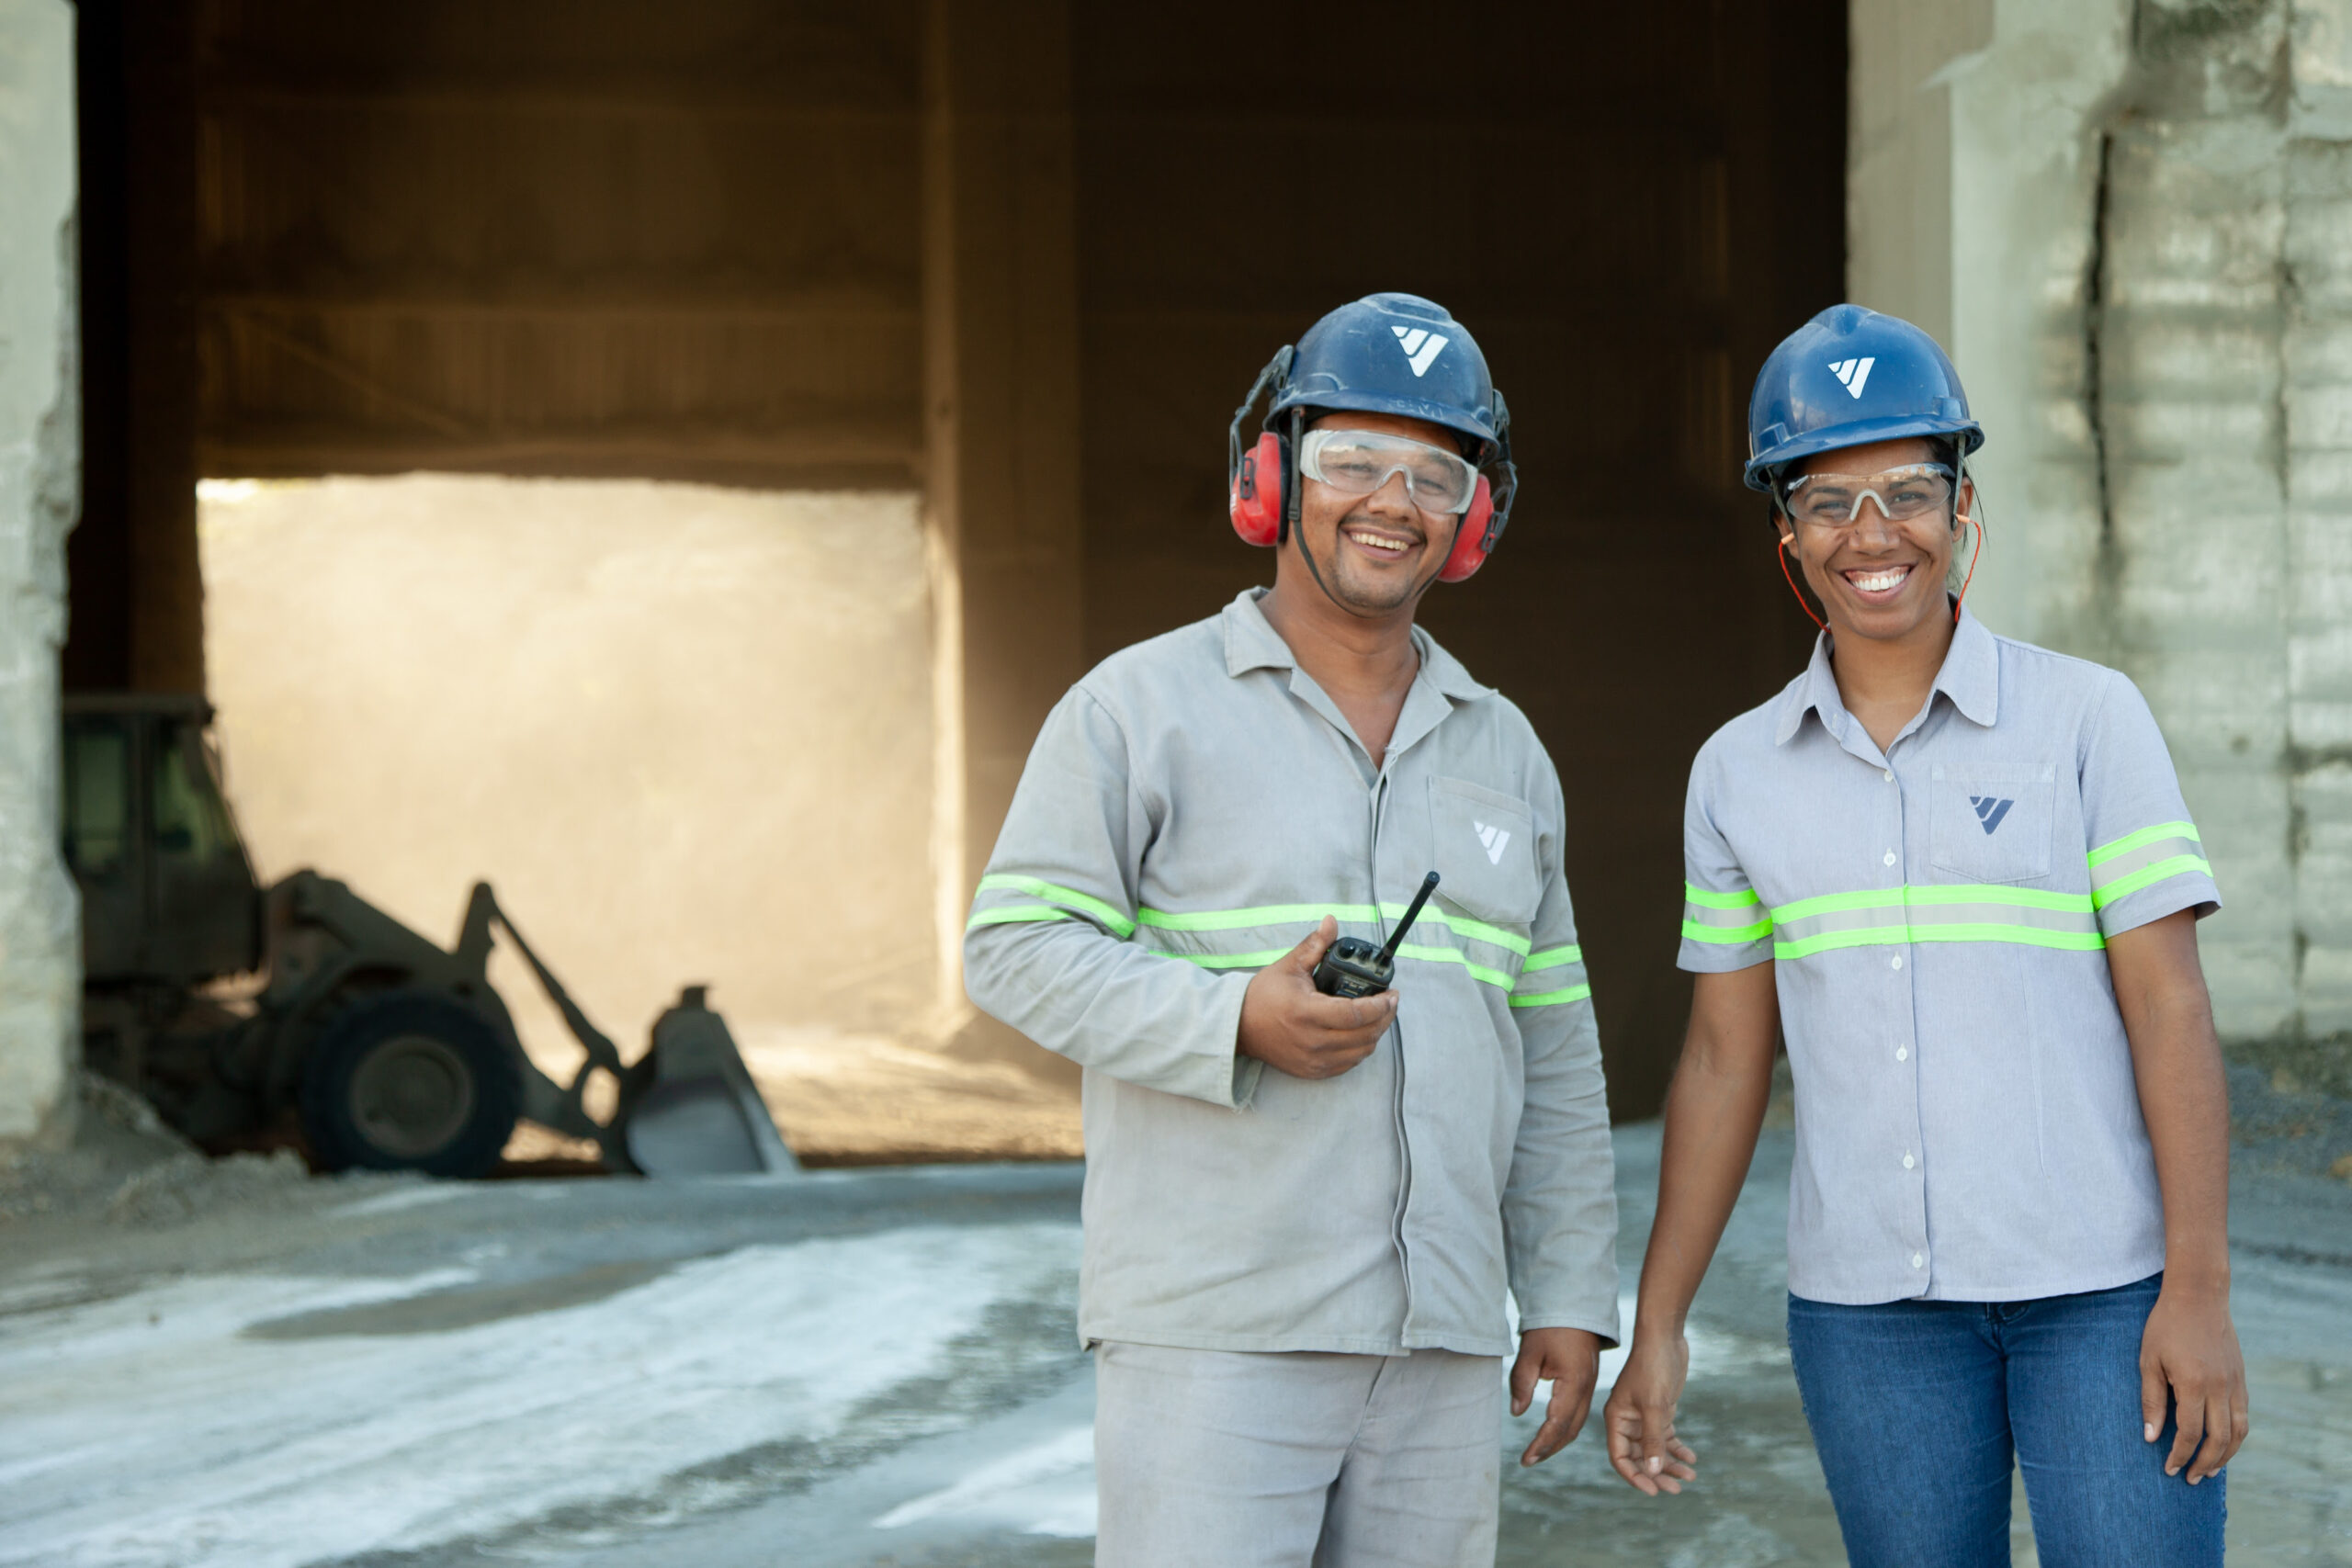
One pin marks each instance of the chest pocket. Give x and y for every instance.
(1484, 853)
(1991, 823)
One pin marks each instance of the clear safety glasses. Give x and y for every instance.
(1834, 500)
(1358, 462)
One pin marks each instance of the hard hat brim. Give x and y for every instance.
(1430, 412)
(1860, 433)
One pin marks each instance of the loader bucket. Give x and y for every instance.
(701, 1115)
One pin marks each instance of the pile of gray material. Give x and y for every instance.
(124, 1167)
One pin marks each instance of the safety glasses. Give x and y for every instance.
(1358, 462)
(1834, 500)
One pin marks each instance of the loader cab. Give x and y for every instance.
(168, 894)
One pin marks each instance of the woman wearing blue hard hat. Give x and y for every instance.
(1955, 873)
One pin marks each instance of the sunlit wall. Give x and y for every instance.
(685, 731)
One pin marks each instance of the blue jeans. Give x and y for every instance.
(1918, 1407)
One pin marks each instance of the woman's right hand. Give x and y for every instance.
(1639, 1417)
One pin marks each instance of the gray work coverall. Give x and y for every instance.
(1189, 812)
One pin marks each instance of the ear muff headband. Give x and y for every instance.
(1257, 481)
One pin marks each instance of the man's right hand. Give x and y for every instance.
(1296, 1029)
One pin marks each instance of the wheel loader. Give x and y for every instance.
(388, 1051)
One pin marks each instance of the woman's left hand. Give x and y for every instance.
(2190, 1353)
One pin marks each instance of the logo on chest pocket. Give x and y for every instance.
(1990, 811)
(1482, 845)
(1991, 823)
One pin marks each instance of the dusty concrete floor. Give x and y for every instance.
(206, 1366)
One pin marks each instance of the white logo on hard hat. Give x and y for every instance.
(1494, 838)
(1852, 373)
(1421, 346)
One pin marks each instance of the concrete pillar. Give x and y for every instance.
(1000, 393)
(2132, 221)
(40, 461)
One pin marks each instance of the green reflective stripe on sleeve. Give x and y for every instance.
(1881, 936)
(1068, 897)
(2130, 841)
(1551, 957)
(2148, 875)
(1729, 936)
(1694, 893)
(1553, 999)
(1012, 914)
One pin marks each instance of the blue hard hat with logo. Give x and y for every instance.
(1395, 354)
(1848, 377)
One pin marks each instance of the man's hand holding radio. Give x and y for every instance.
(1296, 1029)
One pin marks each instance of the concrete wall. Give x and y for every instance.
(2148, 288)
(39, 968)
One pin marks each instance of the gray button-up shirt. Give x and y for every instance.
(1968, 1121)
(1191, 810)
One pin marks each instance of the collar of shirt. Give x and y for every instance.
(1251, 643)
(1970, 678)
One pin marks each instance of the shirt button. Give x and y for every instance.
(1890, 776)
(1890, 857)
(1898, 961)
(1906, 1162)
(1919, 1261)
(1903, 1053)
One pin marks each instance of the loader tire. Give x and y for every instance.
(410, 1080)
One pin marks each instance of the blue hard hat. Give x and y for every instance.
(1848, 377)
(1395, 354)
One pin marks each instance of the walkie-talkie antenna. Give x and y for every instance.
(1412, 910)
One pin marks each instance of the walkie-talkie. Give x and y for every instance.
(1353, 967)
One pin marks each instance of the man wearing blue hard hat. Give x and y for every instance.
(1955, 872)
(1315, 1168)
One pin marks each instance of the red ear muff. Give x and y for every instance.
(1256, 498)
(1469, 552)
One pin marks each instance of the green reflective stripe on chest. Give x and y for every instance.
(1068, 897)
(2143, 859)
(2028, 917)
(1309, 914)
(1264, 956)
(1552, 958)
